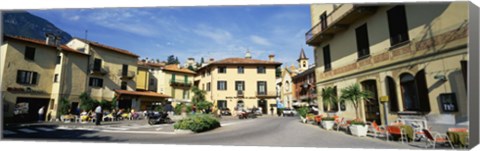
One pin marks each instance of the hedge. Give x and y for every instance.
(197, 123)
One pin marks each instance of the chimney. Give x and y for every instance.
(271, 57)
(50, 39)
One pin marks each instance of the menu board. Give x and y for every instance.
(448, 102)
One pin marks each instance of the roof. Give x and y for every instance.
(302, 55)
(118, 50)
(243, 61)
(39, 42)
(153, 64)
(142, 93)
(174, 68)
(308, 71)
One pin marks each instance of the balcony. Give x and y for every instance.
(240, 93)
(126, 74)
(99, 70)
(266, 94)
(337, 21)
(180, 83)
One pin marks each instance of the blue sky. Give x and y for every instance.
(210, 32)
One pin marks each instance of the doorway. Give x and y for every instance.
(31, 106)
(263, 104)
(372, 107)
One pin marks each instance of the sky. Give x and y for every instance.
(193, 32)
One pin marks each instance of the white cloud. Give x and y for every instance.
(74, 18)
(216, 34)
(259, 40)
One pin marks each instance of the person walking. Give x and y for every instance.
(271, 110)
(41, 113)
(98, 112)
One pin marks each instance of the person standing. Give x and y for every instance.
(98, 112)
(41, 112)
(271, 110)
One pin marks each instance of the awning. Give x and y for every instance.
(141, 93)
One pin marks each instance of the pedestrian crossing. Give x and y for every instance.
(103, 128)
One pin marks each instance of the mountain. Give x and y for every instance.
(31, 26)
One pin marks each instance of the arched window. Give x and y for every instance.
(392, 94)
(304, 64)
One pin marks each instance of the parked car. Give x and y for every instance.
(289, 112)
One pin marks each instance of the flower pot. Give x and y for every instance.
(304, 120)
(358, 130)
(328, 125)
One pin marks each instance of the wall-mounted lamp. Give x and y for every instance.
(440, 77)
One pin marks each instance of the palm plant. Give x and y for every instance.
(329, 96)
(355, 95)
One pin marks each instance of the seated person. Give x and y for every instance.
(84, 116)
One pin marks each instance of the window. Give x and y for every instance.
(261, 69)
(326, 58)
(95, 82)
(27, 77)
(185, 77)
(222, 85)
(208, 86)
(240, 69)
(208, 72)
(173, 77)
(123, 85)
(29, 53)
(222, 104)
(222, 69)
(151, 82)
(185, 94)
(397, 25)
(55, 78)
(240, 85)
(323, 20)
(59, 59)
(415, 92)
(363, 49)
(203, 86)
(97, 64)
(262, 87)
(124, 70)
(304, 64)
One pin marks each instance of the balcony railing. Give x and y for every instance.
(338, 20)
(240, 93)
(126, 74)
(99, 70)
(266, 93)
(181, 83)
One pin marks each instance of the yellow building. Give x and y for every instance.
(239, 83)
(414, 53)
(38, 73)
(176, 82)
(111, 70)
(147, 81)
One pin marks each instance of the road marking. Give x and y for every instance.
(136, 132)
(45, 129)
(7, 132)
(27, 130)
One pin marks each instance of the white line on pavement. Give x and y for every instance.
(27, 130)
(7, 132)
(45, 129)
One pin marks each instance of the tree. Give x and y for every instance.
(329, 96)
(190, 67)
(202, 61)
(176, 60)
(86, 102)
(171, 59)
(63, 106)
(355, 95)
(198, 95)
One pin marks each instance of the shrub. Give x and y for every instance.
(178, 108)
(303, 111)
(197, 123)
(328, 119)
(357, 122)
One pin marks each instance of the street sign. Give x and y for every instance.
(384, 99)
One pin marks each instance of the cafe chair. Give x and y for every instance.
(378, 130)
(458, 130)
(395, 130)
(432, 140)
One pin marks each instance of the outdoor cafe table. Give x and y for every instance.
(459, 138)
(407, 129)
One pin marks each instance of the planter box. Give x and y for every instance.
(181, 131)
(328, 125)
(358, 130)
(304, 120)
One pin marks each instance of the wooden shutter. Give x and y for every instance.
(422, 89)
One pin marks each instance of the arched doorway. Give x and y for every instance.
(240, 105)
(391, 93)
(409, 92)
(372, 107)
(263, 104)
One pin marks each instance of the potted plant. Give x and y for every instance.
(302, 112)
(328, 122)
(329, 97)
(355, 95)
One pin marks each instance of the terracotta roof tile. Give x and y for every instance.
(142, 93)
(242, 61)
(118, 50)
(174, 68)
(39, 42)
